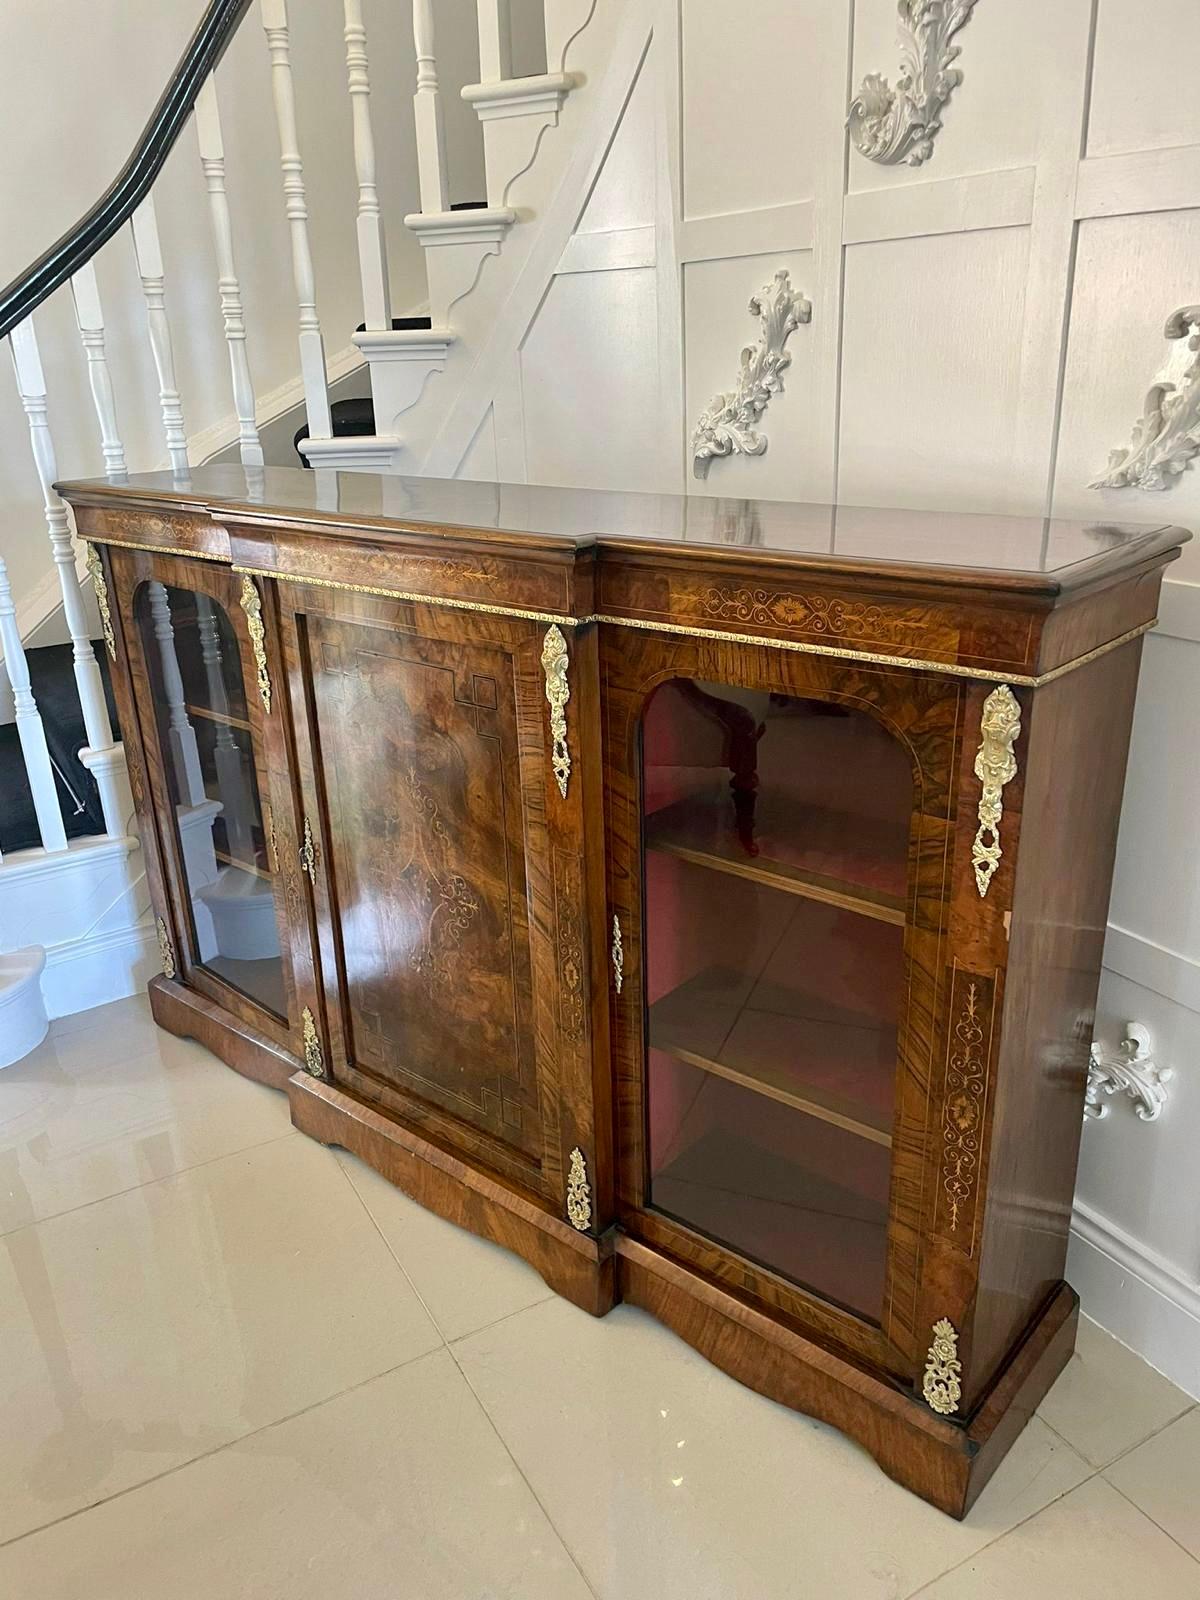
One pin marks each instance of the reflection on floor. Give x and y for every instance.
(236, 1364)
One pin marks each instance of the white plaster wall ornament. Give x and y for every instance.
(898, 125)
(1131, 1070)
(1166, 438)
(729, 424)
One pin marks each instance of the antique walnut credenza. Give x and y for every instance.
(702, 898)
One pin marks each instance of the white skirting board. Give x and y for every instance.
(87, 907)
(1140, 1299)
(81, 973)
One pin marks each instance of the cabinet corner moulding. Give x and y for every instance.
(96, 572)
(942, 1383)
(1129, 1070)
(166, 950)
(252, 606)
(893, 125)
(558, 692)
(995, 765)
(729, 424)
(1166, 438)
(579, 1193)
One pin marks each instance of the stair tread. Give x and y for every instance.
(352, 419)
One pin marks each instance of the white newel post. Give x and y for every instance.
(495, 41)
(103, 758)
(312, 348)
(89, 315)
(212, 158)
(181, 736)
(29, 725)
(372, 248)
(427, 112)
(148, 251)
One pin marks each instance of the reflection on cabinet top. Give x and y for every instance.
(1026, 554)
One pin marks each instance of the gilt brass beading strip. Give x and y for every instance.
(1024, 680)
(421, 599)
(877, 658)
(158, 549)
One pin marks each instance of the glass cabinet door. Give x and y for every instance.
(193, 661)
(776, 836)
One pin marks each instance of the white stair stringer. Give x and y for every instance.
(456, 244)
(401, 360)
(515, 113)
(483, 302)
(492, 323)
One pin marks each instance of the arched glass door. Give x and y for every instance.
(776, 839)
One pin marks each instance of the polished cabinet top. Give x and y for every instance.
(1022, 552)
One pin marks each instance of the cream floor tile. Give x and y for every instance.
(117, 1015)
(1092, 1543)
(669, 1481)
(1108, 1399)
(1162, 1477)
(465, 1282)
(399, 1490)
(141, 1331)
(93, 1112)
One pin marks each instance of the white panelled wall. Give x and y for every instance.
(985, 328)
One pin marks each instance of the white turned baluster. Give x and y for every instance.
(148, 250)
(227, 757)
(372, 246)
(181, 736)
(312, 348)
(212, 158)
(103, 758)
(29, 725)
(427, 112)
(495, 41)
(90, 317)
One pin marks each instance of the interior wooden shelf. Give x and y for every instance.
(227, 860)
(701, 830)
(799, 1049)
(771, 1203)
(778, 1084)
(217, 716)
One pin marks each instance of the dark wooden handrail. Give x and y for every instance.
(119, 201)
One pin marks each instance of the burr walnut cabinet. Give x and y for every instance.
(703, 899)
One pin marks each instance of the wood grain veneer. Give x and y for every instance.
(449, 952)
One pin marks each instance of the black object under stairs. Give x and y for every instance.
(52, 677)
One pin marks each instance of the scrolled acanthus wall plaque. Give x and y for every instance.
(1166, 437)
(899, 125)
(729, 424)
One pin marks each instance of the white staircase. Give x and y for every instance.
(484, 267)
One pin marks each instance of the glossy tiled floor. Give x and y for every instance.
(233, 1363)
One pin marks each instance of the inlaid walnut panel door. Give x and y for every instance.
(202, 652)
(781, 856)
(452, 875)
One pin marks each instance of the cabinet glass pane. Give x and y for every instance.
(192, 655)
(776, 837)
